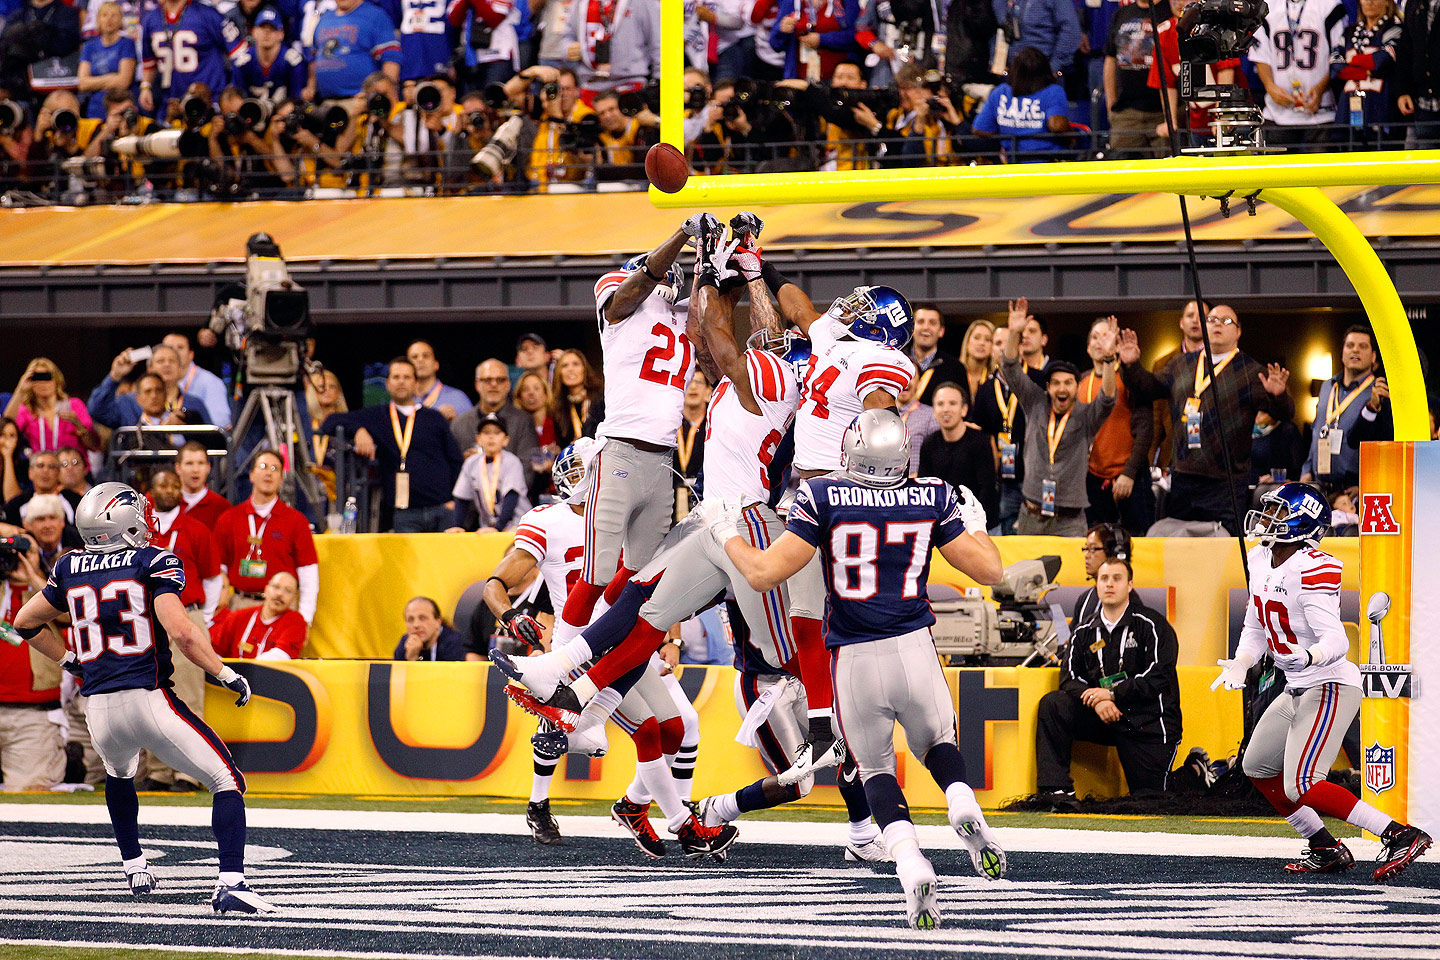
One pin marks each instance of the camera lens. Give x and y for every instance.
(378, 105)
(428, 97)
(551, 90)
(66, 122)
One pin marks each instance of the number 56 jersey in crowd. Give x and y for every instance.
(648, 363)
(875, 545)
(1292, 607)
(111, 600)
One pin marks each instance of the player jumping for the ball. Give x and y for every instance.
(1294, 613)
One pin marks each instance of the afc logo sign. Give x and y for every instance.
(1379, 767)
(1376, 517)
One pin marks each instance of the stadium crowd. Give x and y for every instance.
(253, 98)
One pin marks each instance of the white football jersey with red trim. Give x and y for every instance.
(1295, 606)
(648, 363)
(554, 535)
(739, 445)
(842, 372)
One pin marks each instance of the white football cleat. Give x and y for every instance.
(871, 851)
(540, 675)
(708, 814)
(922, 897)
(985, 853)
(142, 881)
(591, 741)
(239, 898)
(808, 759)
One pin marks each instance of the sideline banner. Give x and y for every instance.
(425, 228)
(1400, 550)
(366, 579)
(444, 729)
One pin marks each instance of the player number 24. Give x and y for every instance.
(855, 550)
(664, 352)
(90, 639)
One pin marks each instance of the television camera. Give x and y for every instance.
(1014, 627)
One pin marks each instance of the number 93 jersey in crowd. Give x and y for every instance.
(875, 545)
(648, 363)
(111, 600)
(1296, 607)
(841, 373)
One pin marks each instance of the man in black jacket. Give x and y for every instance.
(417, 454)
(1416, 80)
(1118, 687)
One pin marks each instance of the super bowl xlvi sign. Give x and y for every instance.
(1378, 678)
(1379, 767)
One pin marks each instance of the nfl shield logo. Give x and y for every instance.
(1379, 767)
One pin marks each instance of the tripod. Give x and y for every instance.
(283, 435)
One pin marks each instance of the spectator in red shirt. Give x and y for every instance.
(32, 748)
(1168, 42)
(262, 537)
(271, 631)
(823, 29)
(199, 501)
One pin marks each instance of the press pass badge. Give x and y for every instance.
(1323, 451)
(1047, 498)
(402, 490)
(1114, 678)
(254, 565)
(1192, 423)
(1001, 59)
(1007, 459)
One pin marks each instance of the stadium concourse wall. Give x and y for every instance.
(615, 223)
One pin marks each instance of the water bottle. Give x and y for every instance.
(347, 521)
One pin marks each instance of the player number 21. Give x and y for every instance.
(855, 549)
(662, 353)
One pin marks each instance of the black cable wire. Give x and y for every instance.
(1205, 356)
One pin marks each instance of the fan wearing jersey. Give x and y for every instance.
(425, 47)
(648, 361)
(184, 42)
(1292, 57)
(123, 598)
(269, 69)
(1294, 617)
(873, 528)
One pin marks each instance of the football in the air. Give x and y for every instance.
(665, 167)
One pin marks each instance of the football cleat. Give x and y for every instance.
(636, 821)
(871, 851)
(550, 744)
(142, 881)
(525, 700)
(922, 897)
(542, 823)
(813, 755)
(698, 840)
(540, 675)
(239, 899)
(589, 740)
(985, 853)
(1402, 846)
(706, 813)
(1336, 859)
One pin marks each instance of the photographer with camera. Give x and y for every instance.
(550, 141)
(240, 153)
(620, 133)
(473, 129)
(756, 131)
(426, 129)
(270, 69)
(922, 122)
(60, 134)
(851, 124)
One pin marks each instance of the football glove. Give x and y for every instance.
(972, 511)
(1293, 662)
(522, 626)
(236, 684)
(721, 518)
(72, 666)
(702, 225)
(1232, 673)
(746, 224)
(746, 259)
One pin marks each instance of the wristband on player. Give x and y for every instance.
(503, 585)
(226, 674)
(773, 278)
(28, 633)
(645, 269)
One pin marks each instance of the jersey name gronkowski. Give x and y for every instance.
(648, 363)
(111, 601)
(840, 375)
(739, 445)
(1293, 607)
(875, 545)
(554, 535)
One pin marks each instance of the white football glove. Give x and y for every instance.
(722, 518)
(1232, 673)
(747, 259)
(720, 259)
(972, 512)
(1292, 662)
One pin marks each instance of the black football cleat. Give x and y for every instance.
(636, 821)
(1336, 859)
(698, 840)
(1402, 846)
(542, 823)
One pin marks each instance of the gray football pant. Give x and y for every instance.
(1299, 735)
(693, 568)
(807, 590)
(879, 682)
(127, 721)
(787, 725)
(631, 504)
(650, 697)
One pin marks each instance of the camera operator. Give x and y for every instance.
(122, 119)
(851, 126)
(60, 134)
(701, 111)
(756, 132)
(426, 128)
(538, 92)
(619, 133)
(269, 69)
(922, 122)
(239, 150)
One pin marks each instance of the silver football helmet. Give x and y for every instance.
(875, 450)
(113, 516)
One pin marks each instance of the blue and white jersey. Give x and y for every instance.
(425, 47)
(286, 77)
(195, 47)
(111, 600)
(875, 545)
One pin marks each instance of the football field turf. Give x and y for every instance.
(384, 883)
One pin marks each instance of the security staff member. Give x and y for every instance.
(1117, 687)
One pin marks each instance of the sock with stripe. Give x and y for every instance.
(578, 610)
(683, 768)
(227, 820)
(632, 652)
(124, 807)
(540, 782)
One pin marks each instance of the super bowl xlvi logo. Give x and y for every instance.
(1378, 678)
(1376, 517)
(1379, 767)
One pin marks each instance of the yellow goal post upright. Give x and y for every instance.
(1290, 182)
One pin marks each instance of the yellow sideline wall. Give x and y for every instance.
(442, 729)
(366, 579)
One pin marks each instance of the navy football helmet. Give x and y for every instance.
(1293, 512)
(674, 278)
(876, 313)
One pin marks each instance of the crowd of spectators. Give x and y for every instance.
(184, 99)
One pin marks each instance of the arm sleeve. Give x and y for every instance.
(779, 41)
(104, 406)
(309, 577)
(1263, 51)
(950, 525)
(1067, 35)
(464, 487)
(1154, 671)
(1052, 98)
(985, 118)
(213, 586)
(1322, 612)
(506, 511)
(1020, 383)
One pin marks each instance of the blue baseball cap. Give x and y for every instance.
(269, 17)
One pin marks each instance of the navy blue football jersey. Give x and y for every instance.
(111, 599)
(875, 547)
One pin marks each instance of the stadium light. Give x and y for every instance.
(1290, 182)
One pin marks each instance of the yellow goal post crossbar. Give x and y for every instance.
(1290, 182)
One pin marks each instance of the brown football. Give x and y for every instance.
(666, 168)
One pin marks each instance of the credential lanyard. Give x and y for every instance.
(1202, 379)
(402, 441)
(1334, 407)
(1054, 432)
